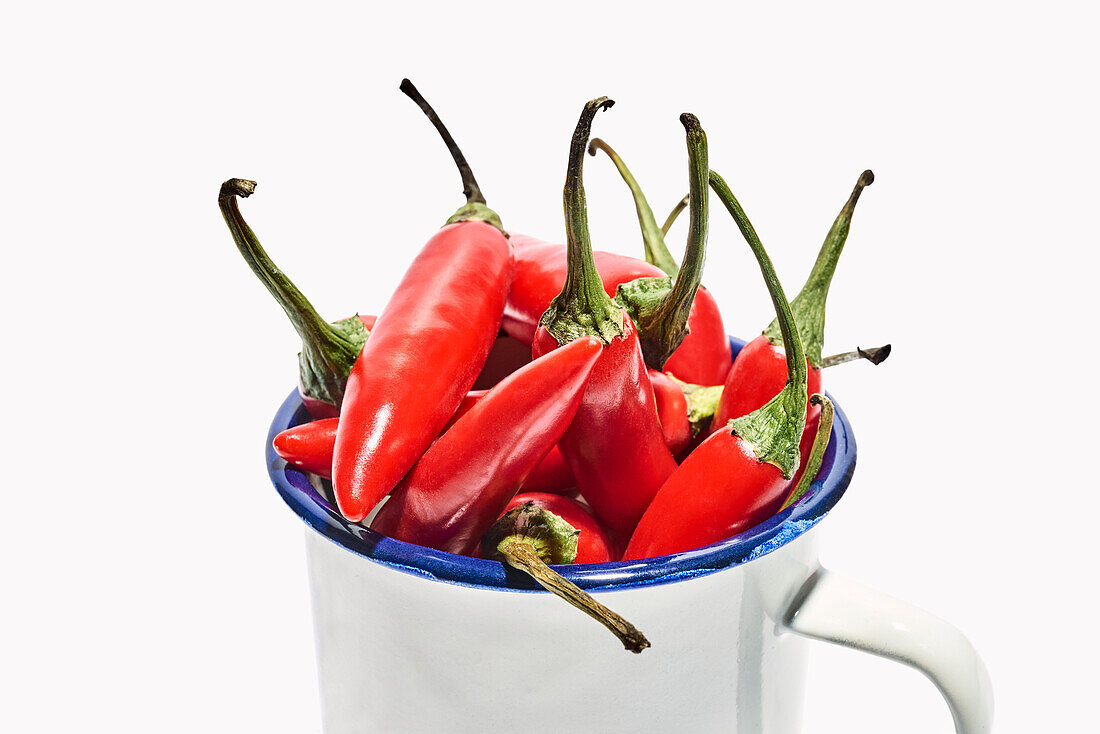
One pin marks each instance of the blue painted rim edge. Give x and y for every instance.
(296, 489)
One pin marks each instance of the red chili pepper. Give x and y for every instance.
(704, 356)
(614, 445)
(741, 473)
(760, 371)
(328, 350)
(309, 446)
(429, 344)
(464, 481)
(593, 545)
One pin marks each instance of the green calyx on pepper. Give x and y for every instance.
(582, 308)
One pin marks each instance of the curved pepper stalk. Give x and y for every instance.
(773, 430)
(529, 537)
(475, 209)
(582, 307)
(661, 306)
(328, 350)
(656, 252)
(809, 305)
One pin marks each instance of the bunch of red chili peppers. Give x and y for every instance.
(543, 404)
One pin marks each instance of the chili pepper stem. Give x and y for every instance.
(527, 538)
(328, 350)
(774, 429)
(817, 453)
(583, 307)
(809, 305)
(874, 355)
(521, 555)
(672, 215)
(656, 252)
(660, 312)
(475, 208)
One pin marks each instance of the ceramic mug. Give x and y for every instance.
(411, 639)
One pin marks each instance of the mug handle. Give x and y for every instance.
(833, 608)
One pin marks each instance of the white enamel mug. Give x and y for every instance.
(415, 640)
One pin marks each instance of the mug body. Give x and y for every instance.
(400, 652)
(411, 639)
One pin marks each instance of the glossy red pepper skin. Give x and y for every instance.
(702, 358)
(309, 446)
(719, 490)
(593, 545)
(614, 446)
(464, 481)
(421, 359)
(757, 376)
(672, 410)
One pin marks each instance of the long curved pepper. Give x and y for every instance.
(328, 350)
(740, 474)
(464, 481)
(702, 356)
(759, 371)
(614, 445)
(426, 350)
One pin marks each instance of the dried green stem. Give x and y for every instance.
(475, 208)
(521, 555)
(583, 307)
(328, 350)
(469, 184)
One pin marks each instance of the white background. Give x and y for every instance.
(154, 581)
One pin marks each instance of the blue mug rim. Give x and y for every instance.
(303, 497)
